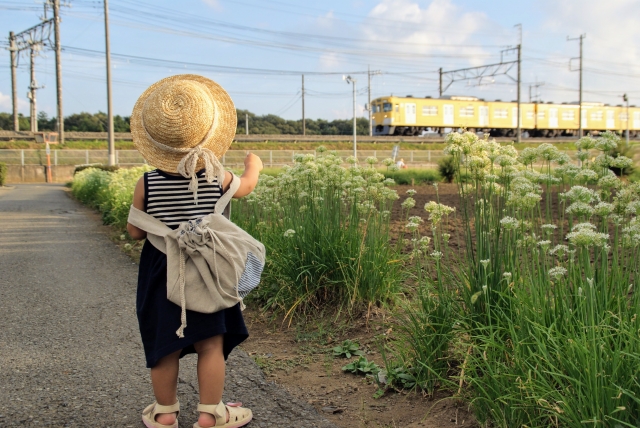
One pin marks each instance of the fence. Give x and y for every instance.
(233, 158)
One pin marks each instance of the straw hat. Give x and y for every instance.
(183, 124)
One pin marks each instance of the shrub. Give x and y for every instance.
(108, 168)
(3, 173)
(446, 168)
(413, 176)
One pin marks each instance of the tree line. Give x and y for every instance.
(266, 124)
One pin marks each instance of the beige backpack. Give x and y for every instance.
(212, 264)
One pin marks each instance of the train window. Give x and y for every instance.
(466, 111)
(529, 114)
(375, 108)
(429, 110)
(387, 107)
(568, 115)
(596, 115)
(540, 115)
(500, 113)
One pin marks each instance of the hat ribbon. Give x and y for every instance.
(213, 169)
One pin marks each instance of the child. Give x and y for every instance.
(182, 125)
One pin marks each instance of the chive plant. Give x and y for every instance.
(327, 234)
(541, 312)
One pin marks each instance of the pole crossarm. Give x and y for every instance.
(40, 33)
(473, 73)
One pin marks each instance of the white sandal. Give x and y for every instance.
(238, 416)
(151, 411)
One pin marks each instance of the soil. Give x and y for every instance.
(299, 358)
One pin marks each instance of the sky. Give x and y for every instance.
(258, 50)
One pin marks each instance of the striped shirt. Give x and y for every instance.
(168, 198)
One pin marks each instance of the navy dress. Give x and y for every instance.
(167, 199)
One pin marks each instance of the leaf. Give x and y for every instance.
(475, 297)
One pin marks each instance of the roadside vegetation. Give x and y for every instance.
(531, 317)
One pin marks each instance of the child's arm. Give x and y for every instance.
(248, 179)
(138, 202)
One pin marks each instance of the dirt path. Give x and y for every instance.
(70, 352)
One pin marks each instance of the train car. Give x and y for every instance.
(413, 116)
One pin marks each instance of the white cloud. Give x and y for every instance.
(6, 104)
(214, 4)
(427, 30)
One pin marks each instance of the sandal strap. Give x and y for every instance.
(218, 411)
(160, 409)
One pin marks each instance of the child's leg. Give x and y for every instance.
(164, 377)
(211, 370)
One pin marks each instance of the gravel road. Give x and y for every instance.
(70, 352)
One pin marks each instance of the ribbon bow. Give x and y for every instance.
(213, 169)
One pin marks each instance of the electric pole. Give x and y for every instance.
(369, 74)
(625, 98)
(304, 127)
(519, 132)
(246, 123)
(14, 83)
(58, 50)
(536, 95)
(112, 144)
(33, 86)
(353, 81)
(581, 38)
(440, 84)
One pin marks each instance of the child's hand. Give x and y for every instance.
(253, 161)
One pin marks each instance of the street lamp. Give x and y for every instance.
(626, 99)
(353, 81)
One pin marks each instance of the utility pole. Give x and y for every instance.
(304, 125)
(14, 83)
(369, 74)
(581, 38)
(536, 95)
(58, 49)
(112, 144)
(353, 81)
(246, 123)
(519, 131)
(626, 99)
(33, 86)
(440, 85)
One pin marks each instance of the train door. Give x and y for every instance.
(484, 116)
(553, 118)
(610, 120)
(448, 114)
(514, 117)
(410, 114)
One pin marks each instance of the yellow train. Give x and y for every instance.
(413, 116)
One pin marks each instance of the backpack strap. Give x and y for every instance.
(156, 230)
(224, 200)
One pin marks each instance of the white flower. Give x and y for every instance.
(408, 203)
(437, 211)
(289, 233)
(509, 223)
(557, 272)
(371, 160)
(485, 263)
(436, 255)
(584, 234)
(507, 276)
(411, 192)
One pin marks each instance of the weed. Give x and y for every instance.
(362, 366)
(347, 349)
